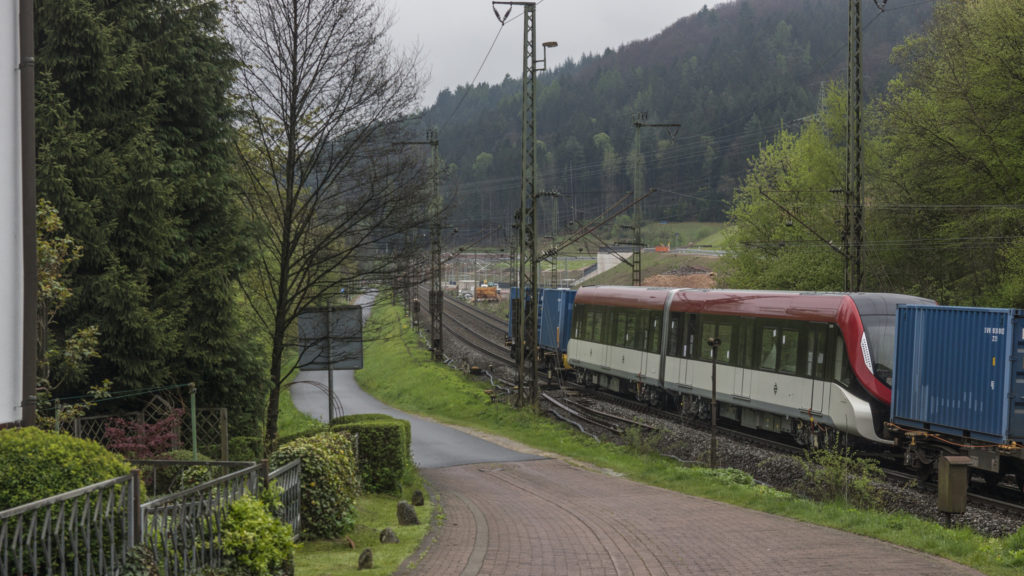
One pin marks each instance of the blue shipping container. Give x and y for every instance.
(556, 318)
(960, 371)
(512, 331)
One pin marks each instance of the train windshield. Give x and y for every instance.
(881, 334)
(878, 314)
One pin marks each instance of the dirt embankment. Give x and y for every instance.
(685, 277)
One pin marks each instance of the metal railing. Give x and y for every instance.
(86, 531)
(289, 480)
(183, 529)
(90, 531)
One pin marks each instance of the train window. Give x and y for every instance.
(595, 326)
(654, 334)
(725, 349)
(816, 352)
(689, 347)
(675, 335)
(841, 369)
(578, 317)
(711, 327)
(769, 349)
(619, 329)
(789, 347)
(630, 334)
(744, 343)
(707, 332)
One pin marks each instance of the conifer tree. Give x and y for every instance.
(139, 166)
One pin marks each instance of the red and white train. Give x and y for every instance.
(805, 364)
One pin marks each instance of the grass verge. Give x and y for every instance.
(398, 371)
(374, 512)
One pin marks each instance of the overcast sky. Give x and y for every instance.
(455, 35)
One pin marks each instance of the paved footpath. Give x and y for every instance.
(550, 517)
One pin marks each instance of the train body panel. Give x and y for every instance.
(788, 396)
(816, 358)
(960, 372)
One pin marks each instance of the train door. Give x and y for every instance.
(742, 346)
(817, 352)
(676, 336)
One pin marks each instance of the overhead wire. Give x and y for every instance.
(504, 20)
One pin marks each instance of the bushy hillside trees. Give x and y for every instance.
(944, 179)
(732, 76)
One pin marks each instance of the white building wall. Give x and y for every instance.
(10, 217)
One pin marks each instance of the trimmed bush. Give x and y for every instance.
(254, 541)
(374, 417)
(330, 481)
(383, 449)
(245, 448)
(289, 438)
(37, 464)
(173, 478)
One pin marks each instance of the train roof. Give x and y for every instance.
(807, 306)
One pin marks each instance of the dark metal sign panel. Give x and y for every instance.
(331, 338)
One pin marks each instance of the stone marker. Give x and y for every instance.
(407, 514)
(417, 498)
(366, 559)
(388, 536)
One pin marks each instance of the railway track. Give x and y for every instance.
(479, 337)
(498, 325)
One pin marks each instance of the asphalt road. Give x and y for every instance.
(433, 445)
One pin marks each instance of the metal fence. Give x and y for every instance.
(211, 428)
(288, 480)
(86, 531)
(91, 530)
(183, 529)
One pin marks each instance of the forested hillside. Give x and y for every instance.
(732, 76)
(943, 175)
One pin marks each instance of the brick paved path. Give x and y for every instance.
(549, 517)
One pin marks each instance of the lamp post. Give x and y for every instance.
(714, 343)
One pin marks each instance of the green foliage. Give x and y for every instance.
(784, 204)
(245, 448)
(640, 441)
(134, 128)
(68, 360)
(384, 449)
(140, 562)
(735, 73)
(728, 476)
(172, 478)
(254, 541)
(36, 464)
(1013, 548)
(835, 474)
(330, 481)
(951, 127)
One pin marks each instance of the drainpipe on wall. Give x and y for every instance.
(28, 212)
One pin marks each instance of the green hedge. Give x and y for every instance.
(330, 481)
(245, 448)
(384, 449)
(37, 464)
